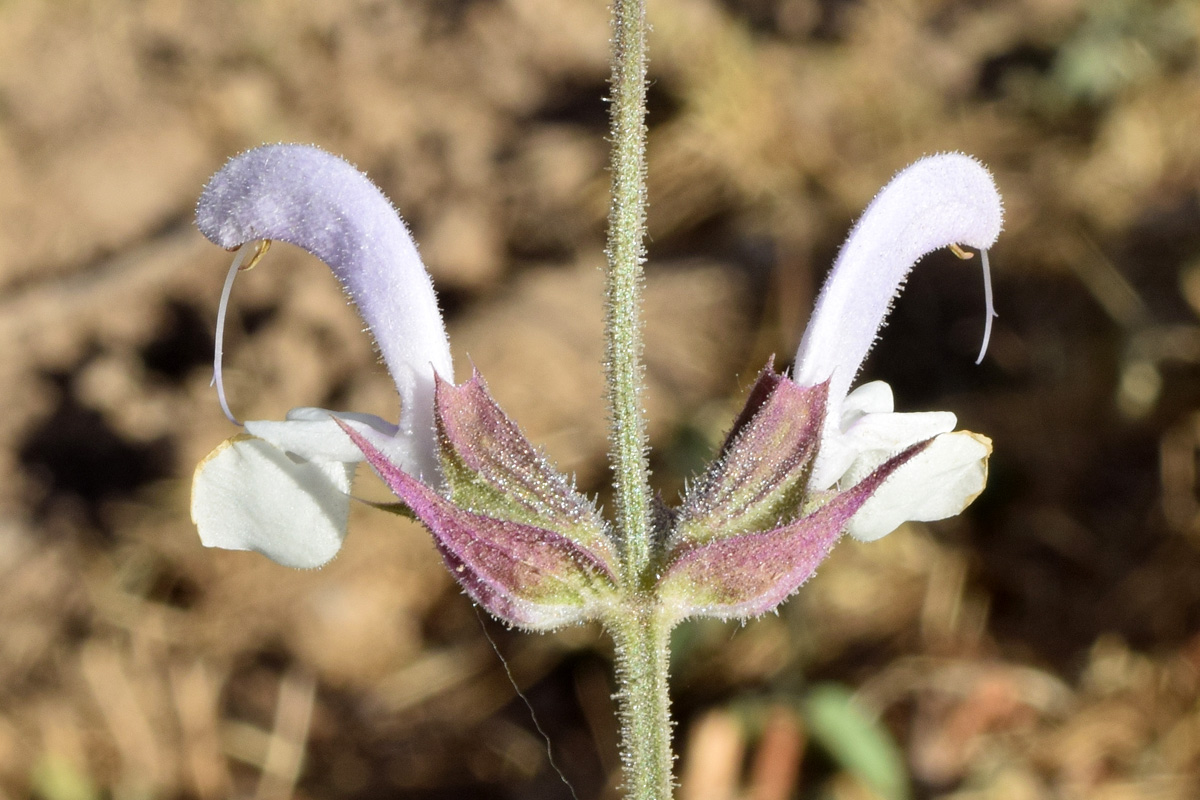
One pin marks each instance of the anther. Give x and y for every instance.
(260, 249)
(958, 251)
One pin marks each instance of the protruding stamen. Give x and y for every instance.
(242, 252)
(987, 299)
(987, 295)
(965, 255)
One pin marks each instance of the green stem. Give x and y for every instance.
(623, 327)
(641, 642)
(640, 634)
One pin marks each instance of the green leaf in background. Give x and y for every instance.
(857, 743)
(55, 778)
(1123, 43)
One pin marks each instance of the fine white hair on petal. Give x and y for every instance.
(938, 201)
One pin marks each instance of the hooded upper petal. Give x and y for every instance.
(283, 490)
(321, 203)
(936, 202)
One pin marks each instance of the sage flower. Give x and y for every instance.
(281, 488)
(807, 458)
(513, 531)
(943, 200)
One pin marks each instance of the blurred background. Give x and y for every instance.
(1046, 644)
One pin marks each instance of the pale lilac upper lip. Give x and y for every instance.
(309, 198)
(938, 201)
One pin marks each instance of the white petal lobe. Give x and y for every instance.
(311, 433)
(249, 495)
(870, 433)
(938, 483)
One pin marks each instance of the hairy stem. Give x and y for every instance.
(639, 633)
(623, 327)
(641, 642)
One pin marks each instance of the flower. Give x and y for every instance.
(806, 460)
(281, 488)
(514, 532)
(939, 201)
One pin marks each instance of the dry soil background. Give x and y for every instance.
(1044, 645)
